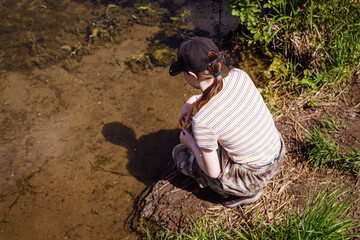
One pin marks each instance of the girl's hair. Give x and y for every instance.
(216, 86)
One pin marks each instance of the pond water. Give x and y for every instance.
(81, 134)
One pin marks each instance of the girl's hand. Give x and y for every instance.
(186, 110)
(187, 139)
(185, 114)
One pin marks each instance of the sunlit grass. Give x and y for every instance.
(319, 39)
(322, 150)
(324, 215)
(199, 228)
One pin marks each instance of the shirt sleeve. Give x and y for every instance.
(204, 136)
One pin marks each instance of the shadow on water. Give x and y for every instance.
(149, 157)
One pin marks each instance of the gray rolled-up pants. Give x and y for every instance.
(235, 178)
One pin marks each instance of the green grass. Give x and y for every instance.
(351, 162)
(323, 151)
(320, 39)
(331, 123)
(324, 215)
(199, 228)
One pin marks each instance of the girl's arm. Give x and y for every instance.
(208, 160)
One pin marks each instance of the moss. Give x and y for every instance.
(102, 160)
(146, 15)
(68, 65)
(105, 29)
(140, 62)
(277, 67)
(156, 55)
(162, 57)
(56, 31)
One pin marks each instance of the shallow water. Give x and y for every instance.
(33, 31)
(78, 146)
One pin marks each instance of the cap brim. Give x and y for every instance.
(175, 69)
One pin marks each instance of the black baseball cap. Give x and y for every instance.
(193, 56)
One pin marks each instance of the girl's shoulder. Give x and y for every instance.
(237, 70)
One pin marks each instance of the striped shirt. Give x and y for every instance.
(238, 119)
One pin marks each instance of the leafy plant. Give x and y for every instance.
(322, 37)
(248, 11)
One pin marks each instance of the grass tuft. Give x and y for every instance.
(351, 161)
(322, 150)
(331, 123)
